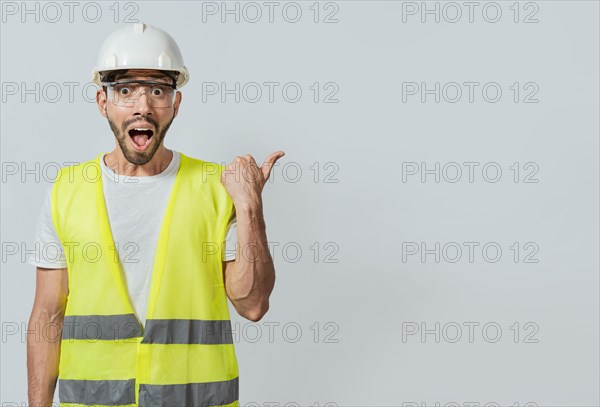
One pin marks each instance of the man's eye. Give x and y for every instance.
(124, 91)
(157, 91)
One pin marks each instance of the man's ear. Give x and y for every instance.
(101, 100)
(177, 102)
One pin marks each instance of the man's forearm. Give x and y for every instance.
(253, 279)
(43, 353)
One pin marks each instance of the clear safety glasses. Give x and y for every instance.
(128, 93)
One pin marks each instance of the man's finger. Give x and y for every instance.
(270, 162)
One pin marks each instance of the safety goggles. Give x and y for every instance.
(128, 93)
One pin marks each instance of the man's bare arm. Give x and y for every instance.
(250, 279)
(45, 330)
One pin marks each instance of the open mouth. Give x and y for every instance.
(141, 137)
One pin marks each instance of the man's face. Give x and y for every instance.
(139, 127)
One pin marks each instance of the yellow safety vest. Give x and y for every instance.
(184, 356)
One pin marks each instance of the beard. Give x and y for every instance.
(139, 157)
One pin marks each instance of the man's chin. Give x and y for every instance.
(131, 154)
(139, 157)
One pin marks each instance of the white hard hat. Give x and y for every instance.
(140, 46)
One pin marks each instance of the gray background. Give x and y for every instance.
(363, 297)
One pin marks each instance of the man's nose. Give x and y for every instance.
(142, 104)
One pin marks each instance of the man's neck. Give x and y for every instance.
(116, 161)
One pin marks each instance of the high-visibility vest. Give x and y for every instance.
(184, 356)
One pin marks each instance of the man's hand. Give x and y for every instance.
(244, 180)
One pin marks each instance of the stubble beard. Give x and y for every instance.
(138, 157)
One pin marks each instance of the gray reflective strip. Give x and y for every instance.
(104, 327)
(188, 331)
(97, 392)
(190, 394)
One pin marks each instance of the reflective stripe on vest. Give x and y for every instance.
(184, 356)
(101, 327)
(92, 392)
(193, 394)
(187, 331)
(183, 331)
(122, 392)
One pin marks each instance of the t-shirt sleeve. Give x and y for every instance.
(231, 240)
(48, 250)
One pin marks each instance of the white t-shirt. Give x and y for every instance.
(135, 206)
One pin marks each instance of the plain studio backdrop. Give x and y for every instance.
(434, 222)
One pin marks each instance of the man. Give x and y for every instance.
(133, 308)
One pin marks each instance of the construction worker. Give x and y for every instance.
(140, 249)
